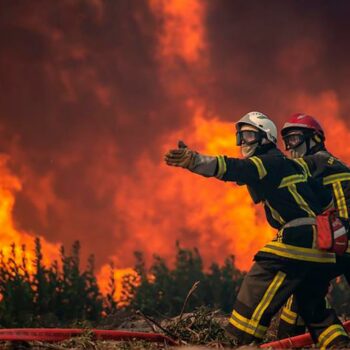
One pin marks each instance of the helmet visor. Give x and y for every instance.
(293, 140)
(247, 137)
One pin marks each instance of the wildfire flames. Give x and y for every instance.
(109, 87)
(9, 185)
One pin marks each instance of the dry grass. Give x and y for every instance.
(201, 327)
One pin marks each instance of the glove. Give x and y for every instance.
(192, 160)
(181, 157)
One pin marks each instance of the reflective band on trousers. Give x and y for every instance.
(328, 335)
(268, 296)
(253, 325)
(289, 316)
(245, 325)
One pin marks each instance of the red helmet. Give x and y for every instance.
(303, 121)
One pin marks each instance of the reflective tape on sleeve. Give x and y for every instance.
(260, 166)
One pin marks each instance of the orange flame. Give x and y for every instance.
(159, 204)
(205, 213)
(9, 185)
(169, 204)
(183, 29)
(104, 277)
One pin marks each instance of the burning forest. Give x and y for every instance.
(94, 92)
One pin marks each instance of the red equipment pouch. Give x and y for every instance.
(331, 233)
(324, 231)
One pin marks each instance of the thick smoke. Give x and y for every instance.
(264, 55)
(87, 102)
(80, 101)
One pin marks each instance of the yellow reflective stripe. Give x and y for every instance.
(291, 314)
(292, 179)
(268, 296)
(336, 178)
(304, 165)
(289, 302)
(275, 214)
(247, 326)
(289, 318)
(330, 339)
(221, 167)
(260, 166)
(328, 335)
(298, 253)
(300, 200)
(340, 200)
(253, 326)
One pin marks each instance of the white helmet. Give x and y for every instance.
(261, 122)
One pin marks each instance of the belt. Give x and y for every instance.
(300, 222)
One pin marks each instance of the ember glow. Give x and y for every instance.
(93, 93)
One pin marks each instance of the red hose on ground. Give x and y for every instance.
(59, 334)
(299, 341)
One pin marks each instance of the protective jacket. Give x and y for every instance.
(334, 175)
(283, 187)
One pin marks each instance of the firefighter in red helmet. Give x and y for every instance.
(304, 138)
(284, 264)
(303, 135)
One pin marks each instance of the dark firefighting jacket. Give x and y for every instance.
(334, 175)
(287, 193)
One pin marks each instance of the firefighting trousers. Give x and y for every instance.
(291, 323)
(267, 286)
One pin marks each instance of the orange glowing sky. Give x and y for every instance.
(93, 93)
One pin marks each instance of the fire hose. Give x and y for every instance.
(299, 341)
(60, 334)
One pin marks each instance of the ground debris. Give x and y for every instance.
(204, 326)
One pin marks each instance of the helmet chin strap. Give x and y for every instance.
(249, 150)
(299, 151)
(302, 149)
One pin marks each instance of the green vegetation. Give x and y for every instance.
(49, 296)
(161, 290)
(63, 294)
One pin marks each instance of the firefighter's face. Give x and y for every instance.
(247, 138)
(294, 142)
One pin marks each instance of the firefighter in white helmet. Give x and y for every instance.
(291, 206)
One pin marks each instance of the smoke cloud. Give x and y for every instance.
(93, 92)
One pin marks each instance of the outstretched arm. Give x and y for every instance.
(197, 163)
(244, 171)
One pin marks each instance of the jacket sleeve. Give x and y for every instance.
(244, 171)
